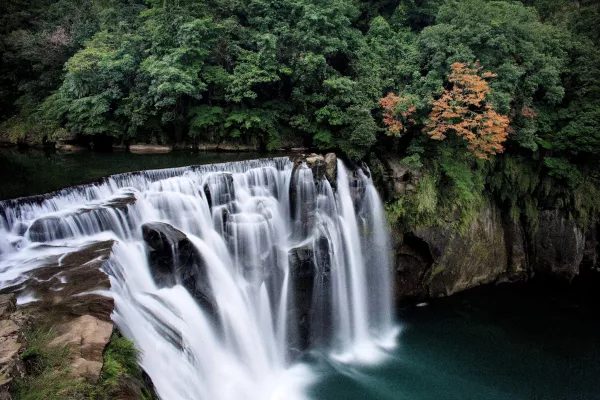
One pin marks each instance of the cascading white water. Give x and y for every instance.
(282, 263)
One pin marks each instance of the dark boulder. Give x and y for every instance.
(173, 259)
(321, 317)
(310, 321)
(302, 278)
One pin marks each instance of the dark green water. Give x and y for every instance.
(488, 345)
(31, 173)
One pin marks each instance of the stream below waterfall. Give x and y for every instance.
(522, 342)
(278, 286)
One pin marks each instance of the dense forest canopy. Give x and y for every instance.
(496, 96)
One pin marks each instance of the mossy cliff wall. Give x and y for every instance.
(446, 254)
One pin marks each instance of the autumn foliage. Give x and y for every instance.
(397, 113)
(463, 110)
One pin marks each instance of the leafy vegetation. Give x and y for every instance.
(521, 78)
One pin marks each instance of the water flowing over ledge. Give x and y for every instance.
(225, 275)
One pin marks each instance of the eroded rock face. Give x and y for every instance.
(12, 343)
(69, 286)
(558, 246)
(70, 297)
(439, 261)
(173, 259)
(86, 337)
(475, 257)
(331, 167)
(398, 178)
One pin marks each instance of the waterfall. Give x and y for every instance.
(225, 275)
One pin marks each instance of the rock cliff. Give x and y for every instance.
(440, 260)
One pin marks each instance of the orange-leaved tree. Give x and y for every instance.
(463, 109)
(397, 113)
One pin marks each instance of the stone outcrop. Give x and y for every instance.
(591, 251)
(174, 259)
(66, 147)
(12, 344)
(303, 193)
(86, 337)
(70, 286)
(397, 178)
(440, 261)
(70, 298)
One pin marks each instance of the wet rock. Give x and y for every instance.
(47, 229)
(321, 317)
(321, 166)
(303, 199)
(86, 337)
(302, 277)
(8, 304)
(71, 286)
(316, 163)
(558, 246)
(174, 259)
(331, 167)
(309, 321)
(413, 261)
